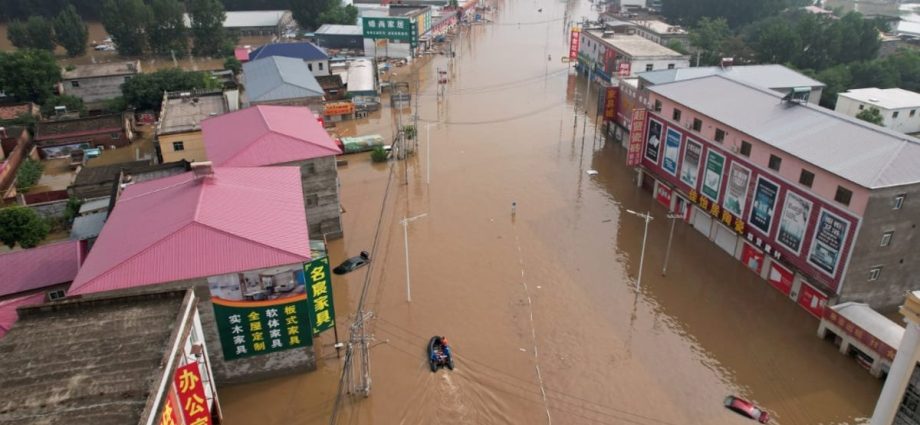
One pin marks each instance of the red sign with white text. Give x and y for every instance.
(860, 334)
(663, 195)
(812, 300)
(752, 257)
(574, 42)
(780, 278)
(192, 399)
(636, 137)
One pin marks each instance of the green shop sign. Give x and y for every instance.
(397, 29)
(319, 294)
(260, 328)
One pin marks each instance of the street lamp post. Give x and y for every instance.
(405, 223)
(667, 252)
(428, 155)
(647, 217)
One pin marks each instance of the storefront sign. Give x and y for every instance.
(671, 151)
(624, 69)
(653, 144)
(736, 191)
(192, 398)
(261, 311)
(860, 334)
(338, 108)
(812, 300)
(634, 154)
(717, 212)
(322, 310)
(780, 277)
(610, 105)
(793, 222)
(610, 59)
(396, 29)
(752, 257)
(712, 177)
(765, 194)
(690, 168)
(827, 243)
(574, 40)
(169, 414)
(663, 195)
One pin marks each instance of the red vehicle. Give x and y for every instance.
(746, 408)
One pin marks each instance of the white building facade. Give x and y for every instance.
(900, 109)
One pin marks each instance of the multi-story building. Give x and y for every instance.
(97, 83)
(178, 131)
(315, 59)
(817, 203)
(662, 33)
(278, 80)
(608, 55)
(898, 107)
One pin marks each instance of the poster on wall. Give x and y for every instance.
(752, 257)
(827, 243)
(764, 205)
(781, 278)
(793, 222)
(653, 144)
(663, 195)
(712, 177)
(671, 151)
(739, 178)
(690, 168)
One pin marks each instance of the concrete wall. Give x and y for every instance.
(319, 68)
(192, 141)
(315, 103)
(320, 180)
(907, 121)
(898, 259)
(95, 91)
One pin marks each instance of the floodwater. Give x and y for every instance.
(540, 306)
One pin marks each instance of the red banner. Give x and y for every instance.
(752, 257)
(860, 334)
(636, 131)
(780, 278)
(624, 69)
(610, 104)
(168, 413)
(192, 399)
(574, 42)
(663, 195)
(812, 300)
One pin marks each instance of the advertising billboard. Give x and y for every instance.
(712, 177)
(395, 29)
(653, 142)
(690, 169)
(828, 241)
(634, 154)
(765, 194)
(739, 178)
(574, 40)
(319, 295)
(793, 222)
(671, 151)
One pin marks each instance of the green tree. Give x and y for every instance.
(28, 75)
(23, 226)
(35, 33)
(776, 41)
(379, 154)
(233, 64)
(126, 21)
(166, 32)
(307, 12)
(29, 173)
(73, 104)
(207, 18)
(872, 115)
(70, 31)
(338, 14)
(145, 91)
(861, 38)
(709, 37)
(837, 79)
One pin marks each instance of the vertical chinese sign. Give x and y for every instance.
(192, 398)
(319, 295)
(261, 311)
(168, 414)
(574, 41)
(610, 105)
(634, 154)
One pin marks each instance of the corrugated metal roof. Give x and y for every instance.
(266, 135)
(863, 153)
(248, 18)
(88, 226)
(360, 76)
(305, 51)
(39, 267)
(871, 321)
(330, 29)
(636, 46)
(278, 78)
(894, 98)
(184, 227)
(766, 76)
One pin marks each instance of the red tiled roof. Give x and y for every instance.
(9, 112)
(186, 227)
(39, 267)
(265, 135)
(8, 315)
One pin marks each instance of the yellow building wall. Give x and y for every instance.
(193, 144)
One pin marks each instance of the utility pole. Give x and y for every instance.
(667, 252)
(405, 222)
(647, 217)
(428, 154)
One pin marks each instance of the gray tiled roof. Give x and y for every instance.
(767, 76)
(278, 78)
(866, 154)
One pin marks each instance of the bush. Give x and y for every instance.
(410, 132)
(30, 171)
(23, 226)
(379, 154)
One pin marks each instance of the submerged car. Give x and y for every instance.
(353, 263)
(747, 409)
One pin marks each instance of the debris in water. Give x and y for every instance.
(591, 172)
(523, 350)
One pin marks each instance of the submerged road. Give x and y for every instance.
(541, 307)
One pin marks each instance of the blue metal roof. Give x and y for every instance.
(303, 51)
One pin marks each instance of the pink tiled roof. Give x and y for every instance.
(8, 308)
(265, 135)
(39, 267)
(185, 227)
(241, 54)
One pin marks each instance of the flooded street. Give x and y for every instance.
(541, 307)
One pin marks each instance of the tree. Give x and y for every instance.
(837, 79)
(70, 31)
(307, 12)
(776, 41)
(23, 226)
(35, 33)
(29, 173)
(708, 37)
(207, 18)
(145, 91)
(379, 154)
(28, 75)
(73, 104)
(166, 32)
(338, 14)
(872, 115)
(126, 21)
(233, 64)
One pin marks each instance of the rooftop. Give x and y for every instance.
(305, 51)
(863, 153)
(108, 69)
(330, 29)
(87, 226)
(78, 126)
(183, 111)
(45, 265)
(13, 111)
(250, 18)
(635, 46)
(885, 98)
(87, 361)
(871, 321)
(266, 135)
(766, 76)
(660, 27)
(278, 78)
(186, 226)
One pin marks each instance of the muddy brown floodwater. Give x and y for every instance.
(541, 307)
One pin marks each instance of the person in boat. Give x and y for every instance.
(445, 348)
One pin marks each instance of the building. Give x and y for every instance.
(135, 359)
(250, 23)
(815, 202)
(333, 87)
(361, 79)
(283, 135)
(662, 33)
(11, 111)
(211, 226)
(608, 55)
(898, 107)
(331, 36)
(101, 182)
(774, 77)
(316, 59)
(278, 80)
(178, 132)
(58, 138)
(863, 333)
(97, 83)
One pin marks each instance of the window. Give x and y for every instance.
(312, 200)
(899, 201)
(310, 67)
(807, 178)
(74, 83)
(697, 124)
(676, 115)
(860, 107)
(670, 66)
(745, 148)
(843, 195)
(309, 168)
(55, 294)
(775, 162)
(178, 146)
(894, 114)
(886, 238)
(320, 66)
(913, 112)
(720, 135)
(115, 136)
(649, 67)
(657, 106)
(874, 273)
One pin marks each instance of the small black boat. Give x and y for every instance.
(439, 354)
